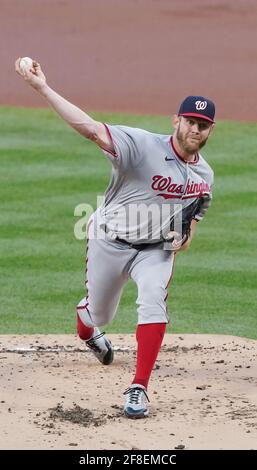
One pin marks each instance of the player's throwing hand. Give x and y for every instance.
(34, 76)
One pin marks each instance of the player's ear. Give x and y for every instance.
(175, 121)
(212, 128)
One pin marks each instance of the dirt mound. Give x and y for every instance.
(55, 395)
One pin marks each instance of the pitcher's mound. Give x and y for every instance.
(56, 395)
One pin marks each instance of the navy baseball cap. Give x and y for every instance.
(197, 106)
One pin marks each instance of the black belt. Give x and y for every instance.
(139, 247)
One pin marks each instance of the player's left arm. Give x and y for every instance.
(198, 214)
(187, 244)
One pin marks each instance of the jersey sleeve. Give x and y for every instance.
(127, 143)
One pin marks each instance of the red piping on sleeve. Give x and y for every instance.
(114, 154)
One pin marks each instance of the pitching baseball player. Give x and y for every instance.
(160, 188)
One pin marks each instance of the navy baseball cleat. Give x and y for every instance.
(101, 347)
(135, 406)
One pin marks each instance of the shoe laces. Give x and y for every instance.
(135, 394)
(92, 344)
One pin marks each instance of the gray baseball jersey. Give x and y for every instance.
(150, 183)
(145, 171)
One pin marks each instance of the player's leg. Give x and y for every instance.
(106, 277)
(152, 271)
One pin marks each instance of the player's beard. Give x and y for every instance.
(189, 148)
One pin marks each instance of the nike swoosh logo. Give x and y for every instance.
(168, 159)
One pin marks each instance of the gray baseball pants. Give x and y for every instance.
(110, 264)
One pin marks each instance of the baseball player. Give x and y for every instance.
(160, 188)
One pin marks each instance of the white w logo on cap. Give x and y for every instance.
(200, 105)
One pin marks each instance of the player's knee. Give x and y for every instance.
(153, 314)
(151, 292)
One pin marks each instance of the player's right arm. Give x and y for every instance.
(74, 116)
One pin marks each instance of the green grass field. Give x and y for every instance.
(47, 169)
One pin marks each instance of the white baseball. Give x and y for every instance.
(26, 63)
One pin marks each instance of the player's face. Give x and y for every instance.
(192, 133)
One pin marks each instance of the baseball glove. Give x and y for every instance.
(195, 211)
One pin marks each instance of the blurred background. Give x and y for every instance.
(140, 56)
